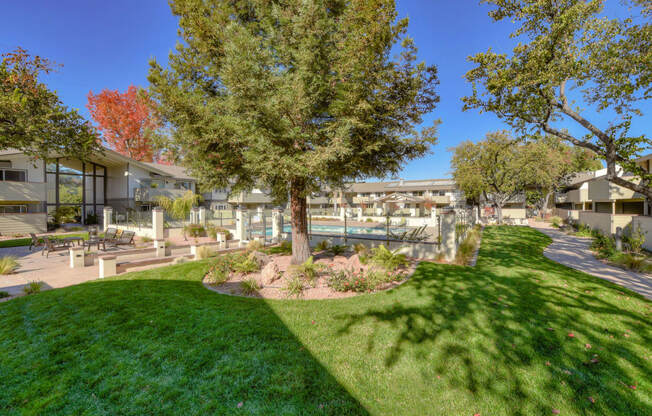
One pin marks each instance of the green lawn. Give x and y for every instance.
(493, 339)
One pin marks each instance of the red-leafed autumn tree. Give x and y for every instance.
(126, 121)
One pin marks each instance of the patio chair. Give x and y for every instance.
(54, 244)
(124, 239)
(36, 242)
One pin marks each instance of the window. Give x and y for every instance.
(15, 175)
(13, 209)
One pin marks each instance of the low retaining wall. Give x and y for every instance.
(606, 223)
(571, 214)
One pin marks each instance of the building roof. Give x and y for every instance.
(177, 172)
(402, 186)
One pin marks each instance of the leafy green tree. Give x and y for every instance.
(551, 164)
(571, 45)
(292, 95)
(32, 118)
(179, 208)
(492, 169)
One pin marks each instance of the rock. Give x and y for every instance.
(354, 263)
(261, 258)
(270, 274)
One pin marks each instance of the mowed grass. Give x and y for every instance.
(492, 339)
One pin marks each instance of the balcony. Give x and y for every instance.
(250, 198)
(577, 196)
(440, 199)
(22, 191)
(150, 194)
(603, 190)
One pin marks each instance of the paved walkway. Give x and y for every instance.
(574, 252)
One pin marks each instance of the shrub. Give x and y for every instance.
(8, 265)
(369, 220)
(214, 231)
(389, 260)
(249, 286)
(583, 230)
(604, 245)
(254, 245)
(322, 245)
(284, 248)
(194, 230)
(146, 239)
(294, 286)
(204, 252)
(336, 250)
(244, 264)
(634, 238)
(4, 294)
(309, 270)
(33, 287)
(467, 247)
(219, 270)
(556, 221)
(359, 281)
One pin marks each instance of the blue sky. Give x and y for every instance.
(107, 44)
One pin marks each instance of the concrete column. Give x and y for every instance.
(277, 225)
(448, 245)
(413, 210)
(613, 207)
(107, 214)
(359, 209)
(593, 206)
(108, 266)
(76, 257)
(158, 223)
(193, 251)
(201, 219)
(240, 224)
(342, 213)
(194, 215)
(159, 246)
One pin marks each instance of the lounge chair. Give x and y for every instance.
(54, 244)
(36, 242)
(126, 238)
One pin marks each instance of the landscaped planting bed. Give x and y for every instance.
(333, 272)
(517, 334)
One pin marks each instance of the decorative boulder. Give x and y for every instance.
(354, 263)
(261, 258)
(270, 274)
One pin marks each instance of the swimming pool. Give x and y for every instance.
(339, 229)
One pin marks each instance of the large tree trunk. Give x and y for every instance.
(299, 219)
(499, 210)
(546, 202)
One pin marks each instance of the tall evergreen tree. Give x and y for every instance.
(292, 95)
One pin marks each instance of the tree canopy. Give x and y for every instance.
(127, 121)
(32, 118)
(565, 45)
(292, 95)
(492, 169)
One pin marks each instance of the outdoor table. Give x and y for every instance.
(95, 241)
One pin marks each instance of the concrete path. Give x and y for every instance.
(574, 252)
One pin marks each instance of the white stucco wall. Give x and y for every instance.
(35, 168)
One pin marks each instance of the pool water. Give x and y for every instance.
(339, 229)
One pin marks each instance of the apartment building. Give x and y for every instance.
(35, 193)
(592, 200)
